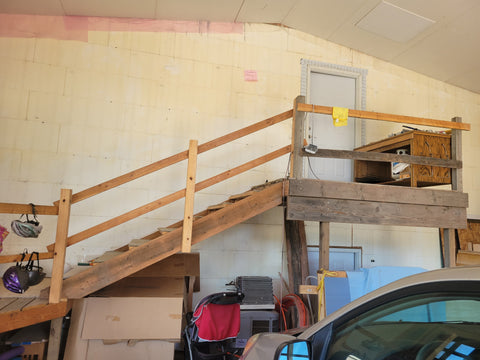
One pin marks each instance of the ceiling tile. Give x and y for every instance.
(211, 10)
(447, 52)
(111, 8)
(35, 7)
(265, 11)
(321, 18)
(394, 23)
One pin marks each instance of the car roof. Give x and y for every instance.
(469, 273)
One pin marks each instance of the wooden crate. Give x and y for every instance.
(417, 143)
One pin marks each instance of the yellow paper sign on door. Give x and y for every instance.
(340, 116)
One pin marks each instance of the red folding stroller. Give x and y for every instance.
(212, 328)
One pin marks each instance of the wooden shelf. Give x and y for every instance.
(416, 143)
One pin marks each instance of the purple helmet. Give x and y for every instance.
(15, 279)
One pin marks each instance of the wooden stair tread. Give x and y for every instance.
(106, 256)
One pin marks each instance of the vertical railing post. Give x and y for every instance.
(60, 245)
(298, 129)
(457, 185)
(189, 196)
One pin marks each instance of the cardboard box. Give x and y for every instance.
(133, 318)
(145, 350)
(121, 319)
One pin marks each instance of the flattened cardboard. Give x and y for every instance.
(145, 287)
(145, 350)
(133, 318)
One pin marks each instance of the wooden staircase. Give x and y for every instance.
(16, 312)
(160, 244)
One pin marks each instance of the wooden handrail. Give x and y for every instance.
(318, 109)
(4, 259)
(9, 208)
(148, 169)
(85, 234)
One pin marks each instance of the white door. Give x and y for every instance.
(330, 90)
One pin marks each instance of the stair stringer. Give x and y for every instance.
(161, 247)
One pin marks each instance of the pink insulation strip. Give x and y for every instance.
(77, 27)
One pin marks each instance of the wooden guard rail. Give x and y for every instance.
(63, 221)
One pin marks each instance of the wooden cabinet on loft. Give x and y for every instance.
(415, 142)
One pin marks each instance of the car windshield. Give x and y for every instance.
(434, 326)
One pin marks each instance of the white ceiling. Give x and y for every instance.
(438, 38)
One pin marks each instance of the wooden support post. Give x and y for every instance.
(298, 129)
(457, 185)
(449, 246)
(60, 245)
(55, 339)
(189, 196)
(297, 256)
(456, 143)
(324, 246)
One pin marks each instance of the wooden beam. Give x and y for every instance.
(297, 257)
(158, 165)
(385, 117)
(60, 245)
(189, 196)
(8, 208)
(324, 246)
(457, 183)
(384, 157)
(374, 212)
(298, 128)
(4, 259)
(36, 312)
(468, 258)
(449, 246)
(54, 340)
(372, 192)
(166, 245)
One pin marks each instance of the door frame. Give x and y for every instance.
(360, 76)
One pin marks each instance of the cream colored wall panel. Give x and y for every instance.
(37, 136)
(48, 107)
(148, 66)
(98, 37)
(43, 77)
(166, 43)
(272, 37)
(17, 48)
(148, 42)
(120, 39)
(12, 72)
(10, 159)
(13, 103)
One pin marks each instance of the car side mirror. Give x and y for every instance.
(294, 350)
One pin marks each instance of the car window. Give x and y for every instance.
(434, 326)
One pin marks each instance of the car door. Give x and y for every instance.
(435, 321)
